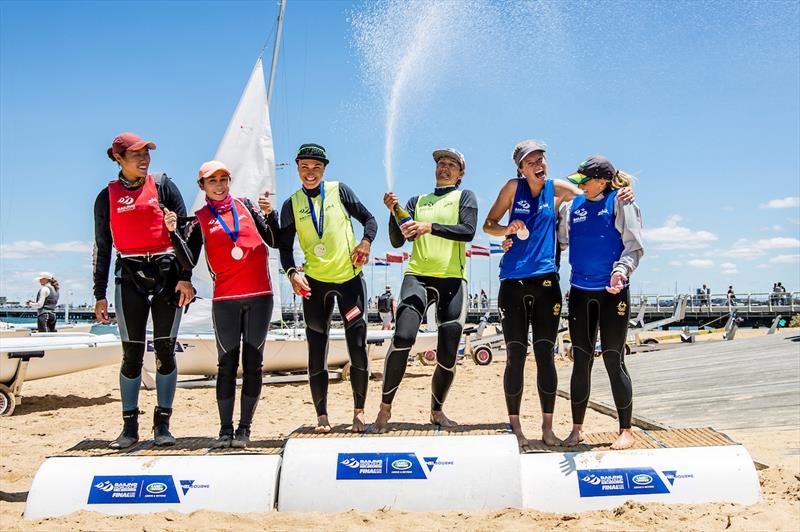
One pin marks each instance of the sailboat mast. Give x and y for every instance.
(275, 50)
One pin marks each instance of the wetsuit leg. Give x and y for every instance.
(413, 302)
(351, 299)
(132, 309)
(255, 322)
(166, 320)
(451, 311)
(317, 311)
(227, 318)
(546, 314)
(584, 310)
(514, 303)
(614, 315)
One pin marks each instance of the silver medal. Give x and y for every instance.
(319, 250)
(237, 253)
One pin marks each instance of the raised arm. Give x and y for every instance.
(502, 204)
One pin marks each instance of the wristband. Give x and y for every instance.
(289, 272)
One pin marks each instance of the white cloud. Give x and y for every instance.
(675, 263)
(777, 228)
(674, 236)
(782, 203)
(749, 249)
(728, 265)
(785, 259)
(25, 249)
(700, 263)
(729, 272)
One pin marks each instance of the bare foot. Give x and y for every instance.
(550, 439)
(438, 418)
(381, 424)
(323, 426)
(516, 428)
(359, 422)
(574, 438)
(624, 441)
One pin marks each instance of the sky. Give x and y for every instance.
(699, 100)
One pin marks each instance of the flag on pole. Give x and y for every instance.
(495, 248)
(405, 256)
(398, 259)
(379, 261)
(479, 251)
(469, 253)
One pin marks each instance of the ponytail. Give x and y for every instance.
(54, 282)
(621, 180)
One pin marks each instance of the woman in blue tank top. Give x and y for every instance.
(604, 235)
(529, 293)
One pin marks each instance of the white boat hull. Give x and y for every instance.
(63, 353)
(286, 350)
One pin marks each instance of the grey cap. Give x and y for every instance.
(526, 147)
(453, 154)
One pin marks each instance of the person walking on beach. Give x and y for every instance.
(604, 234)
(731, 297)
(148, 279)
(46, 301)
(441, 224)
(234, 233)
(529, 295)
(320, 214)
(387, 308)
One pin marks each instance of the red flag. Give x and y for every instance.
(479, 248)
(394, 258)
(469, 253)
(479, 251)
(405, 255)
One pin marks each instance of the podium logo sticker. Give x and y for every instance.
(132, 489)
(622, 481)
(379, 466)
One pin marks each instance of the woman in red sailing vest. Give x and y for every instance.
(147, 278)
(233, 232)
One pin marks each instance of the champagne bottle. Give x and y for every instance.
(402, 216)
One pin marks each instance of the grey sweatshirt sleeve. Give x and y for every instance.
(563, 224)
(628, 221)
(44, 291)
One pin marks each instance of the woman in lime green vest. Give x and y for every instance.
(441, 224)
(320, 214)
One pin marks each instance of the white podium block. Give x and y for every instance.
(430, 473)
(141, 484)
(580, 482)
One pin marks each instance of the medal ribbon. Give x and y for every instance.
(318, 227)
(233, 234)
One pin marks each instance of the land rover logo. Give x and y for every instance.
(156, 487)
(642, 479)
(402, 464)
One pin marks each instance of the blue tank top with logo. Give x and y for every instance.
(594, 242)
(536, 255)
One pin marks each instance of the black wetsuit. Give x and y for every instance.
(350, 296)
(417, 293)
(143, 285)
(240, 325)
(589, 310)
(533, 302)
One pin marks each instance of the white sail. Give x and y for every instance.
(247, 150)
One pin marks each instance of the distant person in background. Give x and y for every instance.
(387, 307)
(731, 297)
(46, 301)
(781, 293)
(484, 300)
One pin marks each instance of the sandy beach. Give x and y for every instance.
(59, 412)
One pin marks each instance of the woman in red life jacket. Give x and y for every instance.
(147, 278)
(234, 233)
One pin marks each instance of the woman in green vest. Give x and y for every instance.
(441, 225)
(320, 214)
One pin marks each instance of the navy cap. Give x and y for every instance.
(595, 167)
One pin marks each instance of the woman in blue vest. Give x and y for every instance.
(529, 293)
(604, 234)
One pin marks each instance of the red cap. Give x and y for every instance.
(130, 141)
